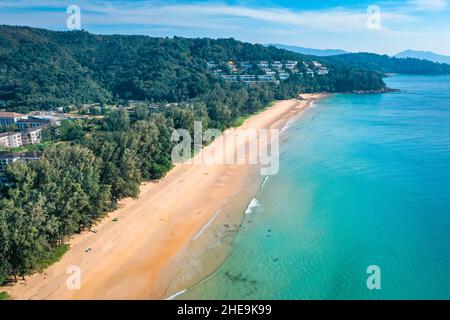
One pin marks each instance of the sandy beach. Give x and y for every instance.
(135, 252)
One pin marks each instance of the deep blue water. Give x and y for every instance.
(364, 180)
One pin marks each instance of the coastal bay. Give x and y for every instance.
(132, 254)
(362, 184)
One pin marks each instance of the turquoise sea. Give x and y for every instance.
(364, 180)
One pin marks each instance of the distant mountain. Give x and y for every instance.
(386, 64)
(313, 52)
(424, 55)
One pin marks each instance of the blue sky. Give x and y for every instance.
(335, 24)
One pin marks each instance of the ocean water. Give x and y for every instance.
(364, 180)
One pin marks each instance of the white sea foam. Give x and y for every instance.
(287, 125)
(206, 225)
(253, 204)
(294, 119)
(176, 294)
(264, 182)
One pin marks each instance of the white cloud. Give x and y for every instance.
(430, 5)
(210, 15)
(335, 20)
(346, 28)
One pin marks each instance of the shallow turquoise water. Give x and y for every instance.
(364, 180)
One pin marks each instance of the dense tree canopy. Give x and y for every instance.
(384, 63)
(47, 201)
(42, 69)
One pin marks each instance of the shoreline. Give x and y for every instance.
(137, 255)
(207, 259)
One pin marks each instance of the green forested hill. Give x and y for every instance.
(43, 69)
(384, 63)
